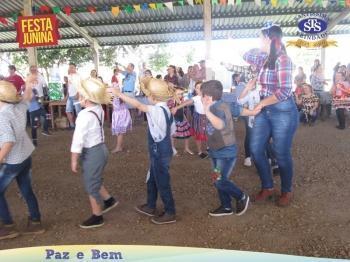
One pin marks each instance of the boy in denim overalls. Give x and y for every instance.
(160, 129)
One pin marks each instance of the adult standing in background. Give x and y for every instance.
(171, 76)
(15, 79)
(74, 82)
(278, 118)
(318, 83)
(114, 79)
(129, 79)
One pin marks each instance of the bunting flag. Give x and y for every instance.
(128, 9)
(44, 9)
(153, 6)
(67, 10)
(91, 9)
(15, 17)
(190, 2)
(170, 5)
(4, 21)
(159, 5)
(115, 10)
(274, 3)
(137, 8)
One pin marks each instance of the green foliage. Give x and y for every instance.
(159, 59)
(189, 56)
(108, 55)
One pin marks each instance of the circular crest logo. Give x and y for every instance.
(312, 25)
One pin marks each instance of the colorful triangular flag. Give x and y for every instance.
(341, 3)
(144, 6)
(231, 2)
(67, 10)
(105, 8)
(137, 8)
(153, 6)
(56, 9)
(223, 2)
(159, 5)
(214, 2)
(291, 2)
(4, 21)
(128, 9)
(238, 2)
(198, 2)
(181, 2)
(274, 3)
(91, 9)
(324, 3)
(44, 9)
(309, 2)
(15, 16)
(190, 2)
(115, 10)
(258, 2)
(169, 5)
(347, 3)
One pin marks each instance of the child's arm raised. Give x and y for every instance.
(129, 100)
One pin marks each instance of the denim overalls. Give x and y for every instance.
(159, 181)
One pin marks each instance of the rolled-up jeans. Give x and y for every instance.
(22, 173)
(279, 121)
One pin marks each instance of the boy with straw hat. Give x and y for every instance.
(15, 157)
(160, 129)
(89, 144)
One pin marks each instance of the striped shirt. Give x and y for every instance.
(13, 120)
(276, 82)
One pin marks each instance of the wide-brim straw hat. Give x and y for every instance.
(95, 91)
(8, 93)
(158, 89)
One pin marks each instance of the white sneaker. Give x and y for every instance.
(247, 162)
(174, 151)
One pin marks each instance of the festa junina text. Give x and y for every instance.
(37, 31)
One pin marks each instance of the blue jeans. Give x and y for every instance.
(22, 173)
(226, 188)
(159, 181)
(279, 121)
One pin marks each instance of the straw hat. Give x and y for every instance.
(8, 92)
(95, 91)
(158, 89)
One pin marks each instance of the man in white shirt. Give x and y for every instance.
(74, 83)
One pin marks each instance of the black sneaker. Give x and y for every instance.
(35, 142)
(109, 204)
(46, 133)
(92, 222)
(242, 205)
(203, 155)
(221, 211)
(164, 219)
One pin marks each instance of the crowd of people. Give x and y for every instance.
(272, 109)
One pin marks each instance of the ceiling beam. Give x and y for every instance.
(82, 31)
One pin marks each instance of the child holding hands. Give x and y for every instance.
(89, 145)
(160, 129)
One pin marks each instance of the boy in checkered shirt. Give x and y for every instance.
(16, 149)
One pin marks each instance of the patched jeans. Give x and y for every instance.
(227, 190)
(279, 121)
(22, 173)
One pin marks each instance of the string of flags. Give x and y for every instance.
(129, 9)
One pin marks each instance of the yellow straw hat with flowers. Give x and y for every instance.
(95, 91)
(159, 90)
(8, 93)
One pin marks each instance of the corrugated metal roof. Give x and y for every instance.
(185, 23)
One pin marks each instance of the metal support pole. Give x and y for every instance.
(208, 37)
(32, 51)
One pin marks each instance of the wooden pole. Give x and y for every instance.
(32, 51)
(208, 37)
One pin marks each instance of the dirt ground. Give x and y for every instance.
(316, 224)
